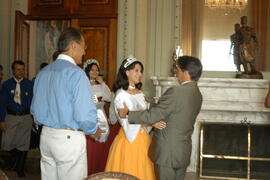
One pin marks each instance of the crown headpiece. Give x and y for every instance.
(90, 61)
(129, 61)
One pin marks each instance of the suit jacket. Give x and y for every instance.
(178, 107)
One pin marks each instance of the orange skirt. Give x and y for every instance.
(131, 158)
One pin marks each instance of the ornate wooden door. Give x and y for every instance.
(100, 37)
(21, 49)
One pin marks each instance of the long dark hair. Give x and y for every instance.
(88, 69)
(122, 79)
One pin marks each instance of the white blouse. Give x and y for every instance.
(134, 102)
(101, 93)
(102, 90)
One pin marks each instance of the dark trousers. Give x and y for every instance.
(169, 173)
(19, 162)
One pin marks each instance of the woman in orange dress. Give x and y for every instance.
(129, 151)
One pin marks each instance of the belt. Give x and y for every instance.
(21, 113)
(73, 129)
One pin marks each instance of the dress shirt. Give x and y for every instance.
(186, 82)
(7, 94)
(62, 97)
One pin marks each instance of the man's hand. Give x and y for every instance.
(159, 125)
(97, 134)
(3, 126)
(122, 112)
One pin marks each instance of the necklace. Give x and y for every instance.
(131, 87)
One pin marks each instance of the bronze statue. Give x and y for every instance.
(245, 42)
(235, 43)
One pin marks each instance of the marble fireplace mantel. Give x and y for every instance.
(224, 101)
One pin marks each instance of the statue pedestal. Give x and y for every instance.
(257, 75)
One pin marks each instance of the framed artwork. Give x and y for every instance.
(48, 32)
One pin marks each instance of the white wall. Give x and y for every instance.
(219, 23)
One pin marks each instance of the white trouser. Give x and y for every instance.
(63, 154)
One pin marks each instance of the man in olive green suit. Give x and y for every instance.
(178, 107)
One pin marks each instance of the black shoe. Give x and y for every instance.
(21, 163)
(14, 159)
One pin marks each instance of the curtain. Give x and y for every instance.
(259, 10)
(191, 39)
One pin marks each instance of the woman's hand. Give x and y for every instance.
(99, 79)
(159, 125)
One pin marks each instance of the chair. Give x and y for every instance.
(3, 176)
(111, 176)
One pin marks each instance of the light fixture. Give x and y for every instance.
(226, 4)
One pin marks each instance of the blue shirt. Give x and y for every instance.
(63, 97)
(7, 97)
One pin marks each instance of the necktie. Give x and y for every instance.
(17, 96)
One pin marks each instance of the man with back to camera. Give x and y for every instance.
(62, 103)
(179, 106)
(15, 119)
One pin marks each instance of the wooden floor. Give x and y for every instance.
(32, 169)
(36, 176)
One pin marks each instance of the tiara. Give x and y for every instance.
(90, 61)
(129, 61)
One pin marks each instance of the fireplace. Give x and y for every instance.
(235, 151)
(232, 114)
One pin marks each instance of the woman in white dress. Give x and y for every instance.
(129, 151)
(97, 150)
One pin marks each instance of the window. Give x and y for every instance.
(216, 55)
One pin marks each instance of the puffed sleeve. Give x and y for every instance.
(131, 130)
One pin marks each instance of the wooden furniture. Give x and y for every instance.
(96, 18)
(111, 175)
(21, 50)
(100, 38)
(72, 9)
(3, 176)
